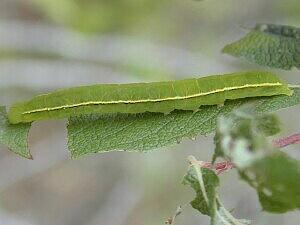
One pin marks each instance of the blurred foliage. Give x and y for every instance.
(241, 139)
(292, 9)
(200, 26)
(98, 16)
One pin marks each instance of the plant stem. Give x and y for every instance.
(283, 142)
(225, 166)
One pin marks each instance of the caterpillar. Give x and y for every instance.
(162, 97)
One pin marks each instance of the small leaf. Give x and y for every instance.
(14, 136)
(205, 183)
(205, 202)
(274, 175)
(143, 132)
(275, 46)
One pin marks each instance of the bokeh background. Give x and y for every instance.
(50, 44)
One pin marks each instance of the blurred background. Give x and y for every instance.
(50, 44)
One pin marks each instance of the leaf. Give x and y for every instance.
(268, 124)
(275, 46)
(274, 175)
(203, 179)
(243, 129)
(14, 136)
(276, 178)
(205, 183)
(163, 97)
(143, 132)
(223, 217)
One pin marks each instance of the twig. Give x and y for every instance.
(179, 210)
(283, 142)
(171, 221)
(225, 166)
(219, 168)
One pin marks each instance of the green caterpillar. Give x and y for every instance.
(162, 97)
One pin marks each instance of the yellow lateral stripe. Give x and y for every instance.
(153, 100)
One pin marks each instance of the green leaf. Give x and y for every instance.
(203, 179)
(223, 217)
(243, 128)
(205, 183)
(14, 136)
(268, 124)
(275, 46)
(274, 175)
(143, 132)
(276, 178)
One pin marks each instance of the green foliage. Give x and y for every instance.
(14, 136)
(97, 16)
(276, 177)
(162, 97)
(268, 124)
(205, 183)
(269, 45)
(143, 132)
(130, 117)
(241, 138)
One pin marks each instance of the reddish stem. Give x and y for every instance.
(219, 167)
(222, 167)
(283, 142)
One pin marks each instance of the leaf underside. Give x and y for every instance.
(14, 136)
(143, 132)
(275, 46)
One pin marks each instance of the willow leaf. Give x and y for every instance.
(275, 46)
(147, 131)
(14, 136)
